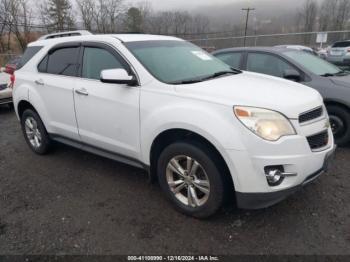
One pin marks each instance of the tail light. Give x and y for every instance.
(12, 80)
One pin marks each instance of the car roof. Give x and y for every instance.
(343, 41)
(296, 47)
(120, 37)
(276, 50)
(143, 37)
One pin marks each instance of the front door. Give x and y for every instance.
(107, 114)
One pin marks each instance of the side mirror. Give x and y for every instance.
(292, 74)
(117, 76)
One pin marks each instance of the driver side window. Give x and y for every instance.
(267, 64)
(97, 59)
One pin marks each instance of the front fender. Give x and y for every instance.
(213, 122)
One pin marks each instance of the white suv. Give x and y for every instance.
(203, 129)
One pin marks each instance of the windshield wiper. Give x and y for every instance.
(342, 73)
(327, 75)
(184, 82)
(198, 80)
(221, 73)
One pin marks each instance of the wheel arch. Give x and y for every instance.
(173, 135)
(24, 105)
(336, 103)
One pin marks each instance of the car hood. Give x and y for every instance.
(341, 80)
(256, 90)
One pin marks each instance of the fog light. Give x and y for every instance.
(275, 175)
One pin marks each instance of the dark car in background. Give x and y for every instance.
(332, 82)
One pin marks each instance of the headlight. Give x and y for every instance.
(267, 124)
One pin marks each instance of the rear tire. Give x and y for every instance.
(196, 187)
(340, 122)
(35, 132)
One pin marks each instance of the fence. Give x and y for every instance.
(305, 38)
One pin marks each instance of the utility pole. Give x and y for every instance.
(246, 22)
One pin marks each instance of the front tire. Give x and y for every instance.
(190, 179)
(340, 123)
(35, 132)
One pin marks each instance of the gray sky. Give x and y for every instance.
(183, 4)
(190, 4)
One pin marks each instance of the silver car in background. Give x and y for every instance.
(5, 88)
(339, 53)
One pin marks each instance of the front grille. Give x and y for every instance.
(319, 140)
(311, 115)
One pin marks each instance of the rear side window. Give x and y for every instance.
(342, 44)
(62, 61)
(28, 54)
(97, 59)
(232, 59)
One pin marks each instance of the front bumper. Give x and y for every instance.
(262, 200)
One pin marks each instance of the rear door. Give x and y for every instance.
(55, 83)
(107, 114)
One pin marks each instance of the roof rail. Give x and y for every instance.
(65, 34)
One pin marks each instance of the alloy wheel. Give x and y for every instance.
(188, 181)
(33, 133)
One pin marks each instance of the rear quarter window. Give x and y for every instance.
(341, 44)
(30, 52)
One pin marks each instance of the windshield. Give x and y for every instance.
(176, 61)
(313, 63)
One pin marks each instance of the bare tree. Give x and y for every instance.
(342, 14)
(19, 19)
(108, 16)
(327, 13)
(4, 21)
(334, 14)
(161, 23)
(307, 18)
(308, 15)
(201, 24)
(182, 22)
(87, 10)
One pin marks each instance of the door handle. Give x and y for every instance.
(39, 82)
(82, 92)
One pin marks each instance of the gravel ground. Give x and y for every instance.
(72, 202)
